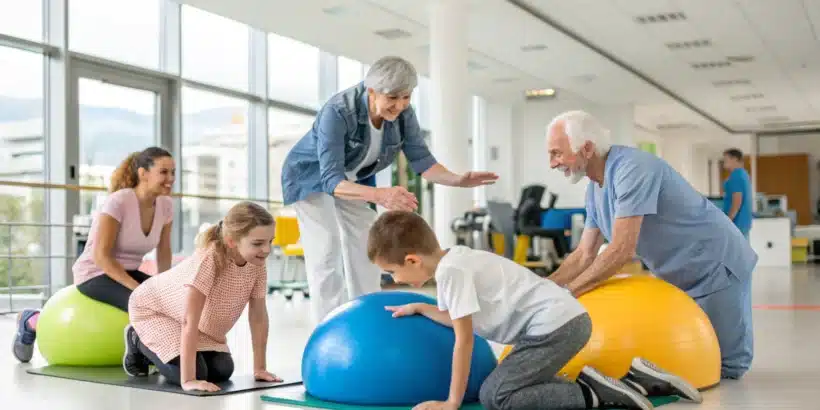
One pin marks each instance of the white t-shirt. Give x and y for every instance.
(505, 299)
(372, 151)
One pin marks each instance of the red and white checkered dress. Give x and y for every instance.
(157, 307)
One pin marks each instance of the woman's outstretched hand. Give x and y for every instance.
(476, 178)
(396, 198)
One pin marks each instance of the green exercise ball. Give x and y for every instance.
(75, 330)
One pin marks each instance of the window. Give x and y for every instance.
(22, 145)
(294, 71)
(22, 18)
(285, 128)
(121, 30)
(114, 122)
(215, 50)
(214, 135)
(349, 72)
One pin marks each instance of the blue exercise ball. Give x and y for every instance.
(362, 355)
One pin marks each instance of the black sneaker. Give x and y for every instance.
(133, 362)
(608, 392)
(650, 380)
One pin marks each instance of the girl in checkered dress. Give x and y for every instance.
(180, 319)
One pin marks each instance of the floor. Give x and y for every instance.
(785, 375)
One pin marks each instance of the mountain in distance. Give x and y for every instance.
(107, 132)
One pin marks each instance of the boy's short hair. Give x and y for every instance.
(396, 234)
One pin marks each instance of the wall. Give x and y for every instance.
(797, 144)
(499, 146)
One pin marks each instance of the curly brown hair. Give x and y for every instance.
(126, 176)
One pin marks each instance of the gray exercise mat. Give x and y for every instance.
(116, 376)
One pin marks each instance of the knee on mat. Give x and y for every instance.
(489, 398)
(221, 368)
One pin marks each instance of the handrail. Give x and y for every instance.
(46, 185)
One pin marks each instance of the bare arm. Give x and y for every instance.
(164, 253)
(433, 313)
(258, 320)
(103, 256)
(354, 191)
(580, 259)
(462, 355)
(616, 255)
(194, 302)
(439, 174)
(737, 200)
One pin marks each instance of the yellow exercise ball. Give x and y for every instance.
(643, 316)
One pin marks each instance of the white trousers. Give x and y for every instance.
(334, 236)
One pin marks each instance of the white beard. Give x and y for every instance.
(573, 176)
(576, 176)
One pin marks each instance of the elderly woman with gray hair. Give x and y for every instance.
(328, 178)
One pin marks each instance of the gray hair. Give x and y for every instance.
(580, 127)
(391, 75)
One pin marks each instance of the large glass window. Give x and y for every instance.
(285, 128)
(121, 30)
(293, 69)
(349, 72)
(114, 122)
(22, 18)
(214, 157)
(22, 146)
(215, 49)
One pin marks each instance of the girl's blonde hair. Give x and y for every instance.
(236, 224)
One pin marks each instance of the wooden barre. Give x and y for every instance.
(67, 187)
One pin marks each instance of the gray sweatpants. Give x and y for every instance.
(527, 378)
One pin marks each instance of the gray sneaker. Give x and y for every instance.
(608, 392)
(650, 380)
(133, 361)
(23, 346)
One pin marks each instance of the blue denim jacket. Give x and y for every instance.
(338, 141)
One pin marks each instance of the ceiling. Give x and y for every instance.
(715, 66)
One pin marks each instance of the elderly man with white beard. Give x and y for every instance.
(643, 207)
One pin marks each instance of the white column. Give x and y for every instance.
(450, 101)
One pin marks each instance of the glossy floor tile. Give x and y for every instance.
(785, 375)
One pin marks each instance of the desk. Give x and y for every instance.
(771, 239)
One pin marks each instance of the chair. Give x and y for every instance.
(286, 238)
(528, 218)
(513, 245)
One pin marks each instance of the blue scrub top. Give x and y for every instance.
(739, 181)
(684, 239)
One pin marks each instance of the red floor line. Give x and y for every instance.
(786, 307)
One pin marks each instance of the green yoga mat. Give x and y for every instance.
(296, 396)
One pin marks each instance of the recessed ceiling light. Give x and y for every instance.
(705, 65)
(392, 34)
(660, 18)
(540, 93)
(741, 59)
(729, 83)
(683, 45)
(745, 97)
(336, 10)
(533, 47)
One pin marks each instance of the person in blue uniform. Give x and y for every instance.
(737, 191)
(641, 206)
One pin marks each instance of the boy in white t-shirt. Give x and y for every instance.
(489, 295)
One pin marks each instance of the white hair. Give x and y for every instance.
(391, 75)
(581, 127)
